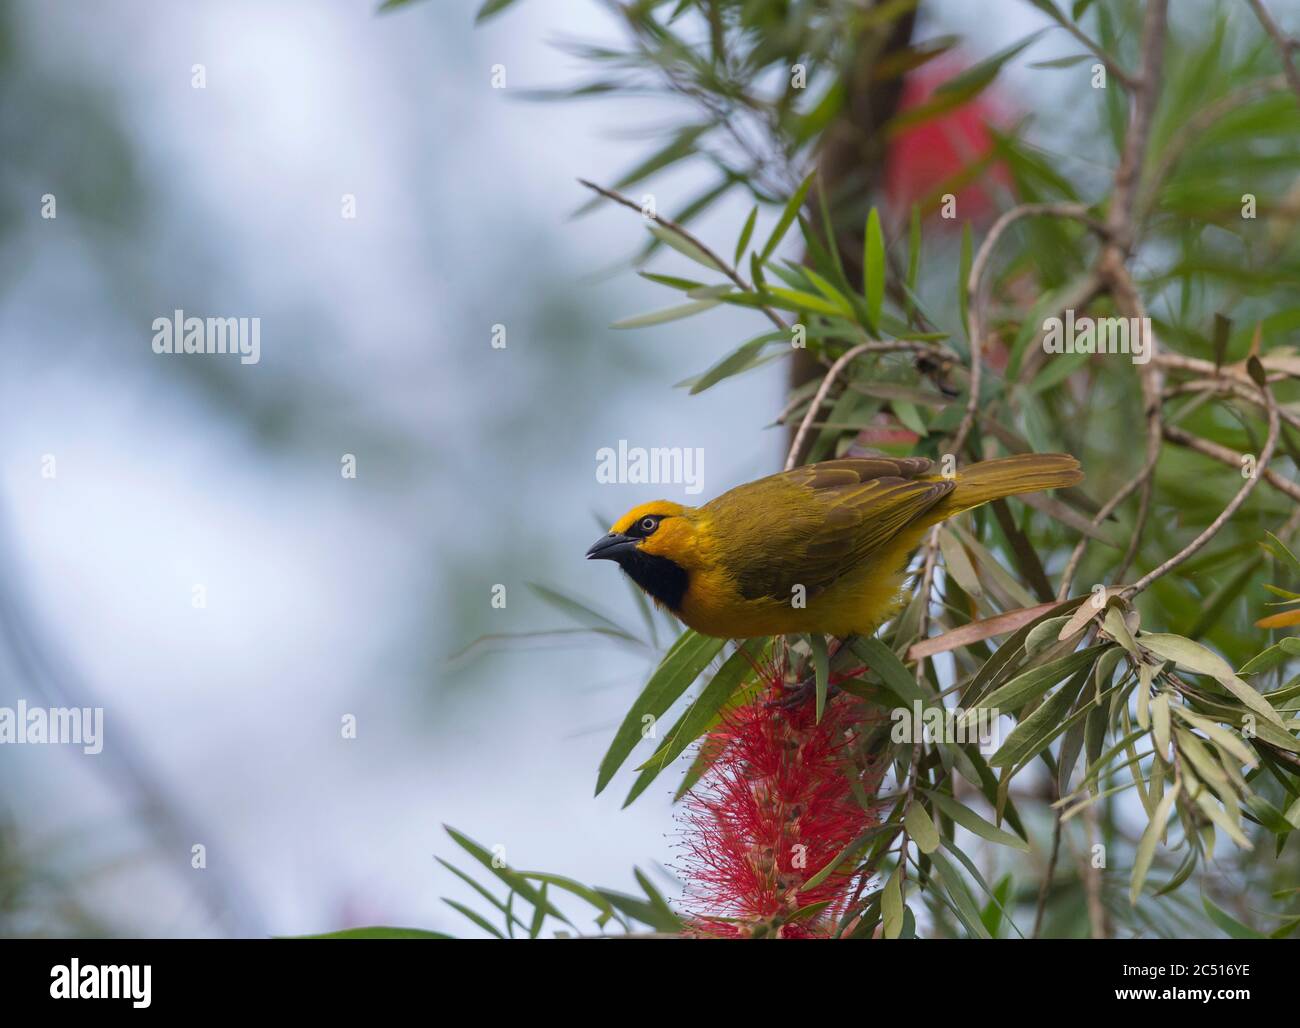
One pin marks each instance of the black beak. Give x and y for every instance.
(612, 547)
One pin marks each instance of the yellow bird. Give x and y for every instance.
(822, 548)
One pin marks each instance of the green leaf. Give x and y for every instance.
(1146, 849)
(956, 887)
(685, 285)
(1272, 657)
(592, 896)
(682, 664)
(684, 247)
(798, 300)
(913, 254)
(920, 827)
(1006, 655)
(468, 880)
(645, 912)
(891, 905)
(684, 310)
(1195, 657)
(680, 147)
(476, 917)
(700, 714)
(957, 561)
(896, 678)
(973, 823)
(744, 357)
(963, 275)
(1043, 725)
(1029, 685)
(1229, 924)
(581, 613)
(663, 912)
(976, 77)
(745, 234)
(376, 932)
(873, 269)
(787, 218)
(486, 11)
(1062, 62)
(821, 669)
(1280, 550)
(511, 878)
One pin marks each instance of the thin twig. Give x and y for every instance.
(1274, 423)
(1284, 44)
(1112, 69)
(872, 346)
(974, 327)
(1226, 456)
(1046, 887)
(677, 229)
(1112, 267)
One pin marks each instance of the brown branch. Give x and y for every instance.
(1237, 389)
(1113, 268)
(1274, 425)
(1284, 44)
(974, 326)
(1226, 456)
(1112, 69)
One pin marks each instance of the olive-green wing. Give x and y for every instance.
(813, 524)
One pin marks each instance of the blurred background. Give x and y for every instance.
(328, 596)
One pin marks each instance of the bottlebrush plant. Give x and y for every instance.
(780, 802)
(1147, 776)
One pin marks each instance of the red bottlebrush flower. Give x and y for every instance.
(928, 155)
(776, 806)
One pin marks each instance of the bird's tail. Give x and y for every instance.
(1006, 476)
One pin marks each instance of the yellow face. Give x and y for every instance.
(661, 529)
(657, 545)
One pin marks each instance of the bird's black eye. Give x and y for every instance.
(648, 525)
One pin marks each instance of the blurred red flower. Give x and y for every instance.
(932, 154)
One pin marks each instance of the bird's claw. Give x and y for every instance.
(796, 696)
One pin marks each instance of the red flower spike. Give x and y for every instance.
(775, 807)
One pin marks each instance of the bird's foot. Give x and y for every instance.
(797, 695)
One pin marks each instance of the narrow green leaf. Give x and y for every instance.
(1030, 684)
(682, 664)
(963, 274)
(700, 714)
(486, 11)
(920, 827)
(1229, 924)
(684, 310)
(788, 215)
(1195, 657)
(745, 234)
(1146, 849)
(377, 932)
(476, 917)
(821, 669)
(684, 246)
(891, 905)
(973, 823)
(509, 877)
(873, 269)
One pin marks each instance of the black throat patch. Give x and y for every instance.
(663, 579)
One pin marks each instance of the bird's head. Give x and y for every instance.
(655, 544)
